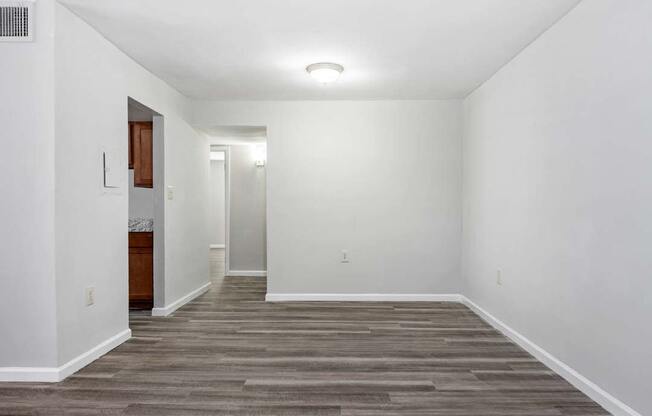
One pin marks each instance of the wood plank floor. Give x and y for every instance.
(230, 353)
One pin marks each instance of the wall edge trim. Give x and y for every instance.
(586, 386)
(56, 374)
(167, 310)
(361, 297)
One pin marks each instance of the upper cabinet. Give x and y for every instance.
(140, 153)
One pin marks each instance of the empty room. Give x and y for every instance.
(333, 208)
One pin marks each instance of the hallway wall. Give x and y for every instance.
(248, 222)
(558, 195)
(93, 81)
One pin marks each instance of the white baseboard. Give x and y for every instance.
(246, 273)
(360, 297)
(216, 246)
(167, 310)
(56, 374)
(586, 386)
(88, 357)
(600, 396)
(29, 374)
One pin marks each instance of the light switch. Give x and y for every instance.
(170, 192)
(111, 171)
(90, 296)
(345, 257)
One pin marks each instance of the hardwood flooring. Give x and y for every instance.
(230, 353)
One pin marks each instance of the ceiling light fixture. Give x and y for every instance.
(325, 72)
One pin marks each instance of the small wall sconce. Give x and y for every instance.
(260, 155)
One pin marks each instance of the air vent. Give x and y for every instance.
(16, 21)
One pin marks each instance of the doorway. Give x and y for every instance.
(217, 209)
(145, 226)
(238, 158)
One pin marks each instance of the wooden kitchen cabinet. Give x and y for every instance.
(140, 153)
(141, 270)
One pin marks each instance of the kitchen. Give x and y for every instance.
(141, 207)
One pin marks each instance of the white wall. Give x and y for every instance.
(247, 217)
(186, 235)
(558, 194)
(379, 179)
(93, 81)
(27, 285)
(141, 200)
(217, 215)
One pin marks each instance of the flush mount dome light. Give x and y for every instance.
(325, 72)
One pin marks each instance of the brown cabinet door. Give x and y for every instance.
(141, 271)
(142, 154)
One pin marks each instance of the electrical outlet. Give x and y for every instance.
(90, 296)
(345, 257)
(499, 277)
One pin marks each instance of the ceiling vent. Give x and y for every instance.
(16, 21)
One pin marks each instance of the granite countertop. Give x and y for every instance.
(141, 225)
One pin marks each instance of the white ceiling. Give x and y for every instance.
(258, 49)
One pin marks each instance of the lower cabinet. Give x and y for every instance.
(141, 270)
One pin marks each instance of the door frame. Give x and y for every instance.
(227, 200)
(159, 199)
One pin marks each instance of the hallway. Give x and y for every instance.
(230, 353)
